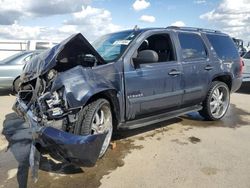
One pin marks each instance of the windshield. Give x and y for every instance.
(14, 58)
(111, 46)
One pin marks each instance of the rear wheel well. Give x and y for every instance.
(111, 97)
(226, 79)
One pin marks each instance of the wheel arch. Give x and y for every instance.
(226, 78)
(111, 96)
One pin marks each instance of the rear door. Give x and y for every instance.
(196, 67)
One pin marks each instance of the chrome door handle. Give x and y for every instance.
(209, 67)
(174, 72)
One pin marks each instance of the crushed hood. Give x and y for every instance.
(45, 61)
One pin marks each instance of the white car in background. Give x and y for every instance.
(12, 67)
(246, 68)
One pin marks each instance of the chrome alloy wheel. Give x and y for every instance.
(219, 101)
(102, 123)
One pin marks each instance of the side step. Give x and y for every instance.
(157, 118)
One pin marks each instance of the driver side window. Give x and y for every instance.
(161, 44)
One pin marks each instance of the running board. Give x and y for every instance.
(157, 118)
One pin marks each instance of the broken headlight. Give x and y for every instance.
(55, 104)
(51, 74)
(52, 105)
(54, 100)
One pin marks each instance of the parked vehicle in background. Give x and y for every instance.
(246, 68)
(124, 80)
(240, 45)
(12, 67)
(11, 47)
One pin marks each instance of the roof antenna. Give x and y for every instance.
(136, 28)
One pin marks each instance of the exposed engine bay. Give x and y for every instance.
(43, 95)
(46, 106)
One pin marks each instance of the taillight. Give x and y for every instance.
(241, 65)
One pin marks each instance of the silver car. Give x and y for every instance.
(12, 66)
(246, 68)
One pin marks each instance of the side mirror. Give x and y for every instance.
(145, 56)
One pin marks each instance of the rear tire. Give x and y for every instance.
(217, 101)
(96, 118)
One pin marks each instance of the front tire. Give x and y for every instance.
(96, 118)
(217, 101)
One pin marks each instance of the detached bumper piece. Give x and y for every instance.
(79, 150)
(75, 149)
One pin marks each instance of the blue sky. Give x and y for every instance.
(166, 12)
(57, 19)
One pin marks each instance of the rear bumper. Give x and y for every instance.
(236, 83)
(79, 150)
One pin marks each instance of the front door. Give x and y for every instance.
(154, 87)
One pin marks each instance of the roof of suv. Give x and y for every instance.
(191, 29)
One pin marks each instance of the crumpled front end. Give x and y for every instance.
(67, 147)
(79, 150)
(54, 87)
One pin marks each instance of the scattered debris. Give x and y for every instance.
(113, 145)
(194, 140)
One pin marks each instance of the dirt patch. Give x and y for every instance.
(194, 140)
(158, 138)
(188, 128)
(141, 138)
(179, 142)
(209, 171)
(91, 176)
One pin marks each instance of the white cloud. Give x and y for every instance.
(140, 5)
(13, 10)
(16, 31)
(178, 24)
(200, 1)
(147, 18)
(91, 22)
(232, 17)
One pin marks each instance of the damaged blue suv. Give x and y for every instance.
(76, 94)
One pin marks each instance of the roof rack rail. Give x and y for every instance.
(193, 29)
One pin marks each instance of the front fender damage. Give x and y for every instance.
(80, 84)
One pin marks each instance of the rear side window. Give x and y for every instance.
(192, 46)
(223, 46)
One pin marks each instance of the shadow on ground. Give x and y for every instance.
(245, 88)
(233, 119)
